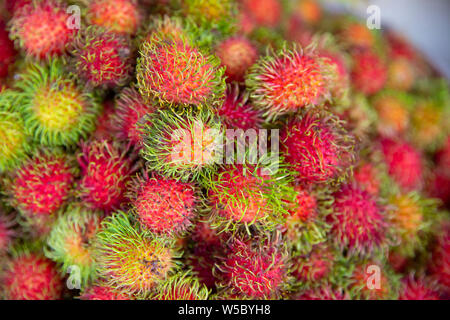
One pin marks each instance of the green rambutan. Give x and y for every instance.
(106, 169)
(132, 260)
(119, 16)
(70, 241)
(181, 286)
(175, 72)
(182, 144)
(102, 58)
(165, 207)
(287, 81)
(40, 28)
(212, 13)
(55, 110)
(318, 147)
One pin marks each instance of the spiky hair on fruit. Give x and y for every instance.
(404, 163)
(132, 260)
(417, 287)
(369, 72)
(359, 225)
(237, 54)
(7, 52)
(256, 269)
(7, 232)
(15, 141)
(119, 16)
(55, 110)
(287, 81)
(102, 58)
(41, 186)
(29, 275)
(264, 13)
(41, 28)
(305, 223)
(210, 13)
(131, 108)
(182, 144)
(393, 109)
(236, 111)
(166, 207)
(175, 72)
(367, 177)
(70, 241)
(181, 286)
(106, 168)
(439, 264)
(102, 292)
(247, 195)
(325, 292)
(317, 146)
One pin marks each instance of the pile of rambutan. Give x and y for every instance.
(206, 149)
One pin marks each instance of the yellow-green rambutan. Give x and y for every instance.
(181, 286)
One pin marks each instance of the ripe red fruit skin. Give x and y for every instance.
(105, 172)
(41, 29)
(7, 52)
(358, 223)
(32, 277)
(99, 292)
(237, 54)
(404, 163)
(314, 266)
(236, 113)
(369, 73)
(164, 206)
(317, 148)
(417, 289)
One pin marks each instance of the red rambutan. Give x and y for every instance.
(102, 292)
(7, 52)
(266, 13)
(440, 261)
(6, 231)
(326, 292)
(314, 266)
(369, 73)
(417, 288)
(366, 176)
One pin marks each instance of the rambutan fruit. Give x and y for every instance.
(237, 113)
(104, 128)
(31, 276)
(326, 292)
(405, 164)
(314, 267)
(131, 260)
(40, 28)
(369, 73)
(367, 176)
(102, 292)
(237, 54)
(401, 74)
(439, 185)
(55, 110)
(166, 207)
(357, 35)
(105, 171)
(175, 72)
(7, 52)
(358, 224)
(440, 260)
(15, 141)
(102, 58)
(393, 109)
(318, 147)
(212, 13)
(266, 13)
(70, 241)
(181, 286)
(309, 11)
(256, 269)
(287, 82)
(41, 186)
(399, 47)
(119, 16)
(131, 109)
(182, 144)
(7, 232)
(418, 288)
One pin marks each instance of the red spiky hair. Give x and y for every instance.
(102, 58)
(32, 277)
(105, 172)
(236, 113)
(369, 73)
(366, 176)
(41, 29)
(440, 262)
(323, 293)
(358, 222)
(265, 13)
(361, 278)
(7, 52)
(119, 16)
(163, 206)
(404, 163)
(6, 231)
(256, 270)
(131, 108)
(237, 54)
(417, 288)
(314, 266)
(317, 147)
(102, 292)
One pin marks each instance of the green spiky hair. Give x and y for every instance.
(248, 195)
(14, 142)
(181, 144)
(181, 286)
(70, 241)
(55, 110)
(175, 72)
(130, 259)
